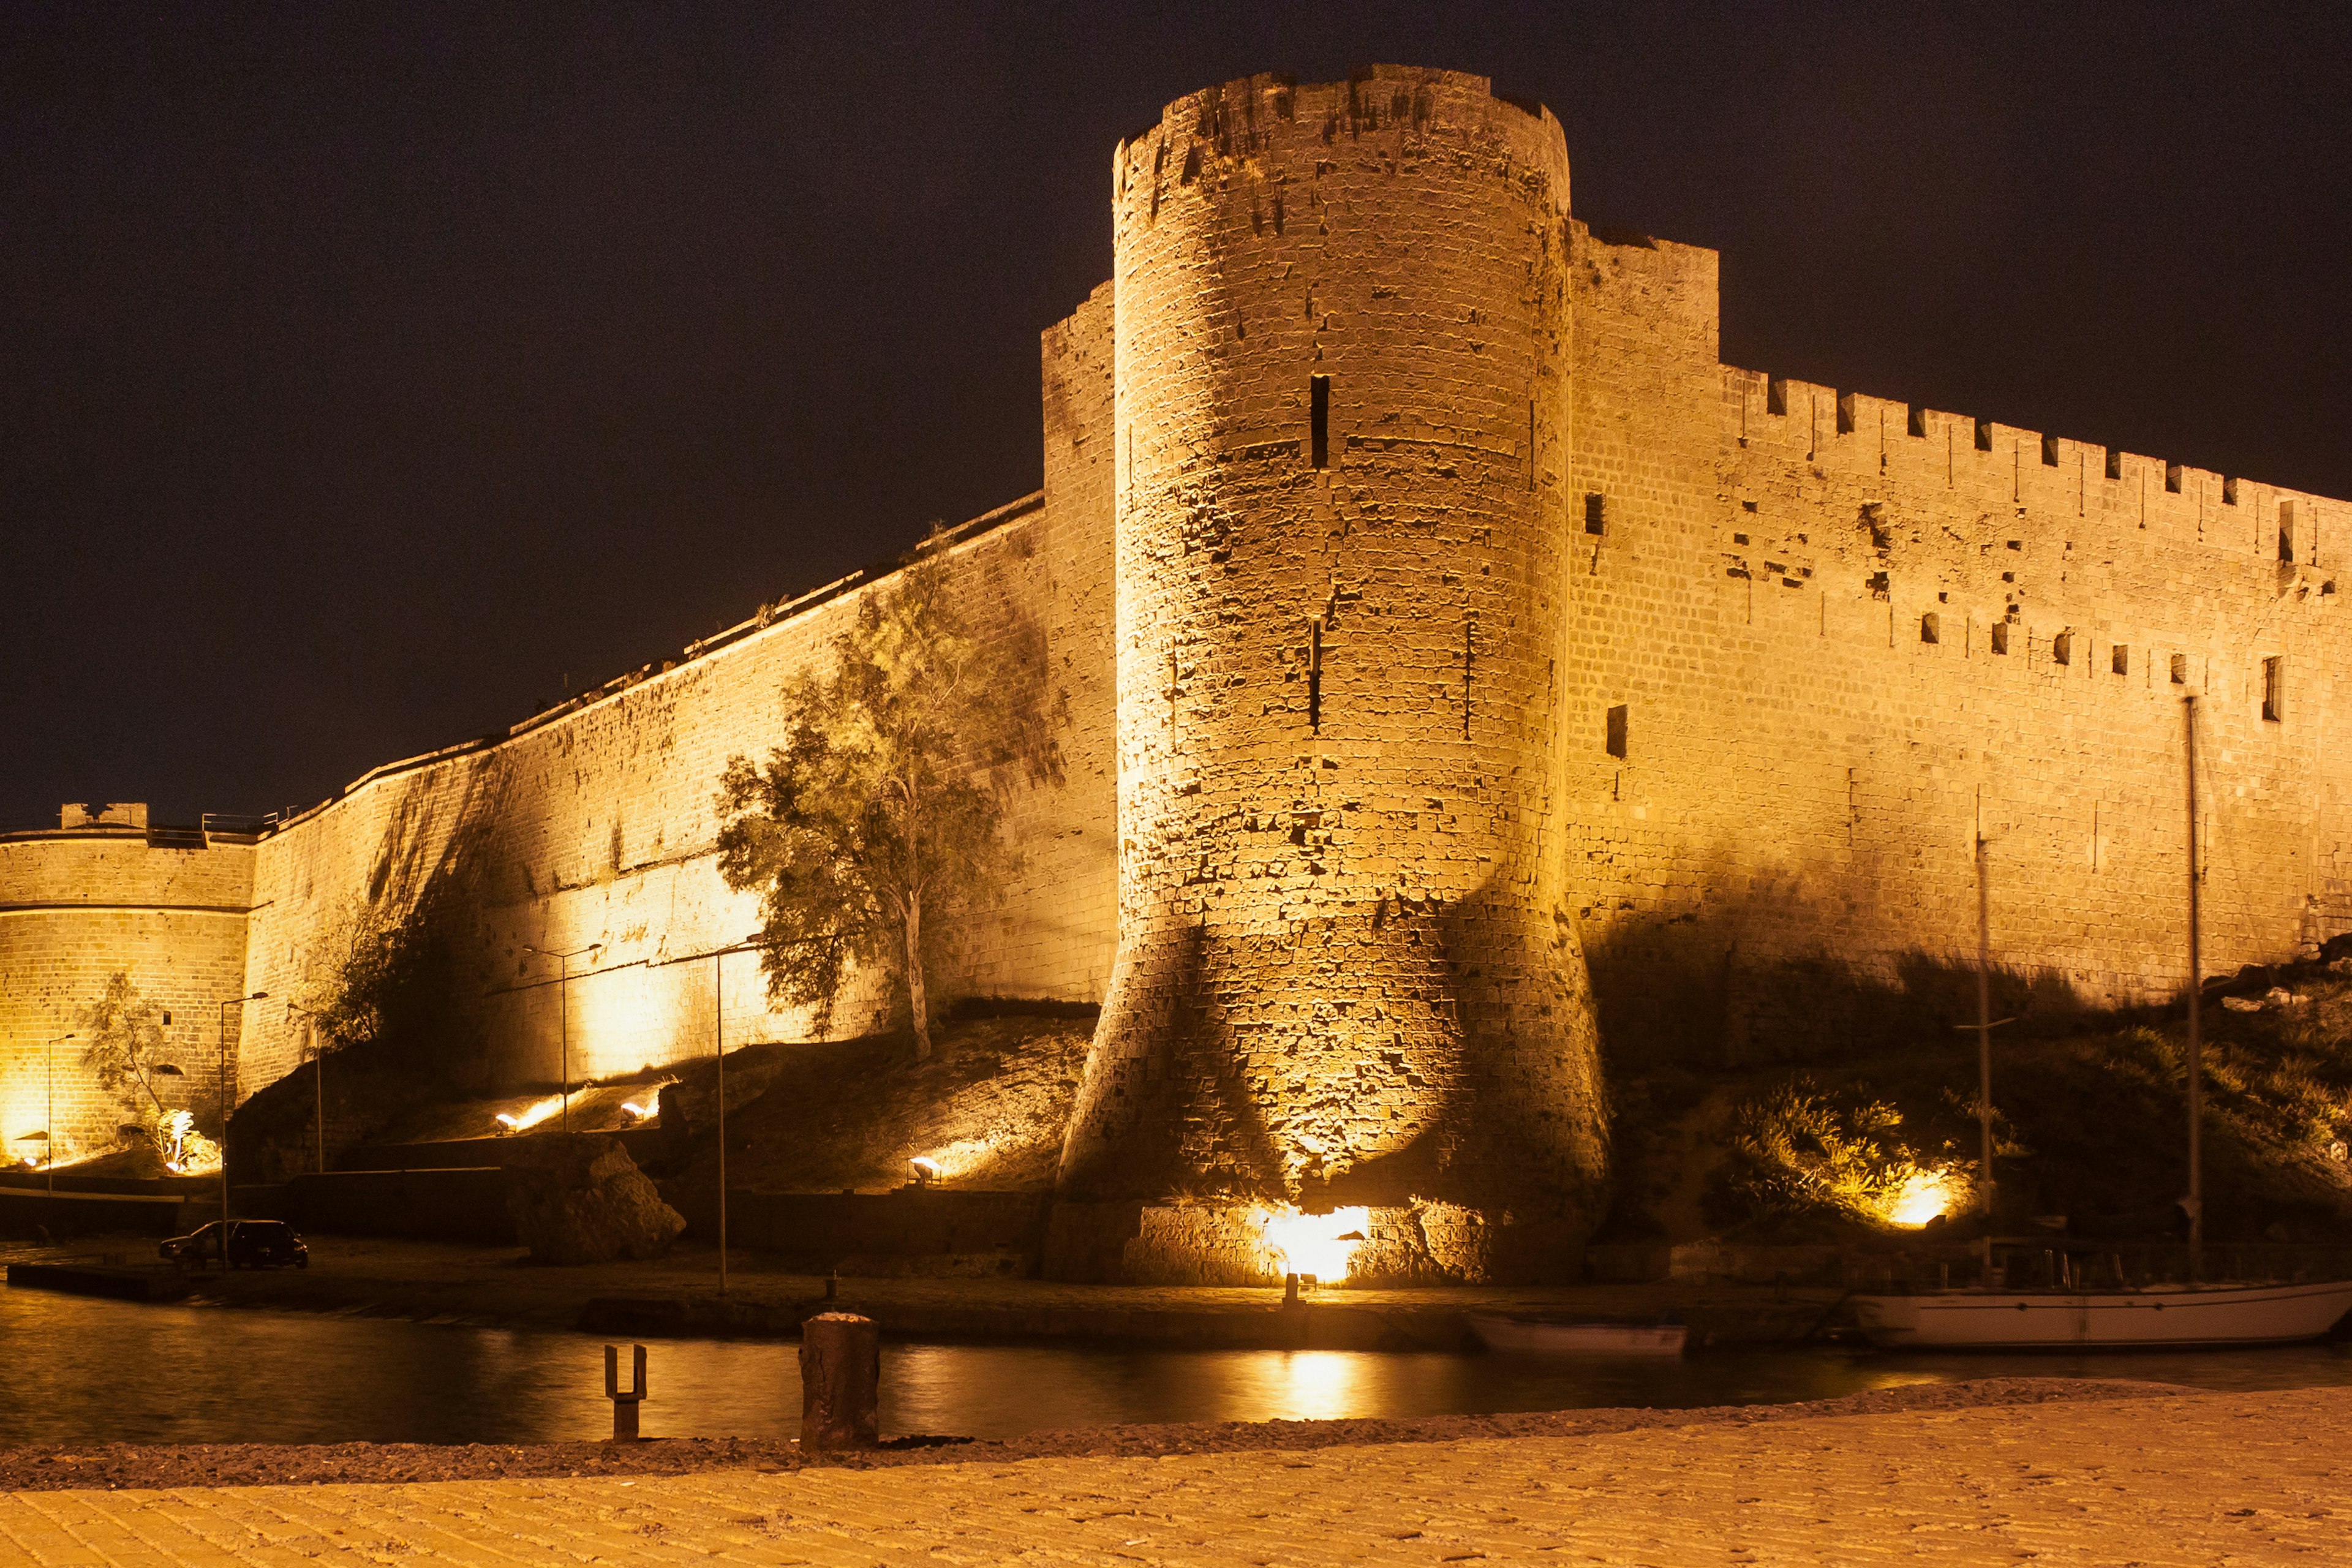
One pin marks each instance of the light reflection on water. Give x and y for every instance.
(77, 1370)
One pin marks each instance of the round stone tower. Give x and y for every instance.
(1344, 977)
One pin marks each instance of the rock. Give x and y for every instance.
(2242, 1003)
(2280, 996)
(2337, 949)
(689, 1104)
(582, 1200)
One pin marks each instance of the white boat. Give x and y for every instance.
(1533, 1336)
(2154, 1318)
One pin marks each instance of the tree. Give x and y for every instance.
(124, 1030)
(351, 971)
(881, 814)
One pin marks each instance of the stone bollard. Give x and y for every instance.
(841, 1378)
(624, 1402)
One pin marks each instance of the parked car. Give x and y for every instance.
(252, 1244)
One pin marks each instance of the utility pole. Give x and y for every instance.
(225, 1090)
(563, 1014)
(2196, 1200)
(1984, 1025)
(49, 1134)
(719, 1028)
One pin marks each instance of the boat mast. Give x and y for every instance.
(2196, 1200)
(1984, 1019)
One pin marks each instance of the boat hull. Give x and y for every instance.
(2116, 1320)
(1519, 1334)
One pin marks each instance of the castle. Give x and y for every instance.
(1463, 666)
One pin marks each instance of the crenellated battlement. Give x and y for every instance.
(1911, 443)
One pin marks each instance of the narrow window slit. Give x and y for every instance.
(1616, 734)
(1596, 511)
(1315, 676)
(1318, 399)
(2273, 691)
(1469, 653)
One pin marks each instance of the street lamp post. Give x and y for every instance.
(318, 1081)
(224, 1006)
(50, 1136)
(719, 1028)
(563, 1014)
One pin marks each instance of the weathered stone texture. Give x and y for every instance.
(78, 905)
(582, 1200)
(1339, 977)
(1808, 757)
(1580, 648)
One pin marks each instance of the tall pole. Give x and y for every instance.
(49, 1132)
(2196, 1051)
(563, 1032)
(718, 1020)
(318, 1086)
(225, 1089)
(1984, 1025)
(221, 1083)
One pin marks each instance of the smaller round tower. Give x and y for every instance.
(1341, 385)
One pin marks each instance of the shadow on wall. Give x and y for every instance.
(392, 980)
(1681, 992)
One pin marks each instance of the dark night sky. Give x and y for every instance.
(366, 369)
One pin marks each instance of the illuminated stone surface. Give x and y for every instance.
(2235, 1478)
(1340, 979)
(1711, 742)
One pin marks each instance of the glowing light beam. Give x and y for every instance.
(1317, 1244)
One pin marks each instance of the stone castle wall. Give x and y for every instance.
(1341, 381)
(1844, 632)
(1683, 610)
(597, 824)
(78, 905)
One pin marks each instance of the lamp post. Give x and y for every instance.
(719, 1028)
(49, 1136)
(318, 1081)
(563, 1014)
(224, 1006)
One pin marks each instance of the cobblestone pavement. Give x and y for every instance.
(2200, 1478)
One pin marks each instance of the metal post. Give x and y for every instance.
(2196, 1049)
(221, 1085)
(718, 1024)
(49, 1135)
(1984, 1025)
(319, 1085)
(563, 1032)
(624, 1400)
(225, 1092)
